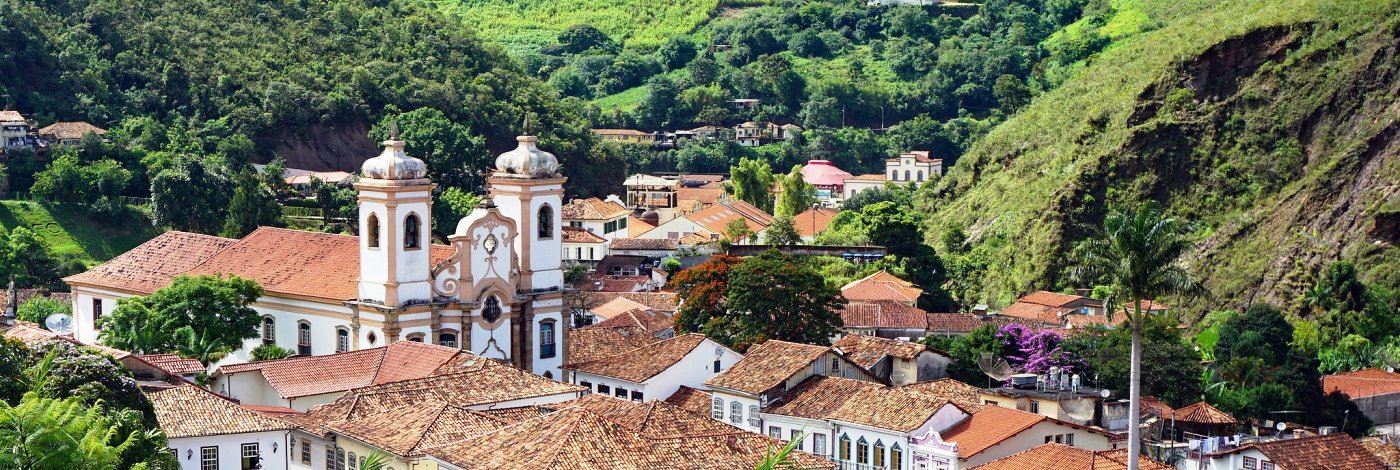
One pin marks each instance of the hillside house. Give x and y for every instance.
(69, 133)
(829, 180)
(629, 136)
(714, 221)
(15, 131)
(1044, 308)
(207, 431)
(583, 247)
(749, 134)
(912, 167)
(895, 361)
(1317, 452)
(605, 218)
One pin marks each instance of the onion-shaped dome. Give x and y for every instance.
(527, 161)
(393, 164)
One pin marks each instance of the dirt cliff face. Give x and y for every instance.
(326, 147)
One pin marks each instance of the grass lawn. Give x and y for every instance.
(71, 230)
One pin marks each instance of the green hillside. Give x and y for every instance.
(1272, 124)
(72, 231)
(525, 25)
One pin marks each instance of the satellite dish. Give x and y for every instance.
(1079, 409)
(1105, 393)
(1281, 426)
(59, 323)
(995, 367)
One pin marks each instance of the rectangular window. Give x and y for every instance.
(1266, 465)
(604, 389)
(775, 432)
(637, 396)
(546, 340)
(1035, 406)
(590, 253)
(588, 385)
(208, 458)
(717, 366)
(1069, 439)
(96, 309)
(622, 223)
(306, 451)
(1251, 463)
(819, 444)
(1048, 439)
(250, 456)
(717, 408)
(794, 435)
(620, 392)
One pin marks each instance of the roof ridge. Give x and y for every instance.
(383, 356)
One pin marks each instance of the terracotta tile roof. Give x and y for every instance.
(628, 132)
(1155, 406)
(988, 427)
(327, 266)
(592, 209)
(189, 411)
(818, 396)
(659, 301)
(641, 364)
(7, 115)
(153, 264)
(70, 130)
(591, 343)
(573, 438)
(1384, 448)
(636, 227)
(717, 217)
(517, 414)
(277, 411)
(648, 321)
(1032, 311)
(616, 306)
(921, 156)
(883, 314)
(315, 375)
(867, 350)
(604, 283)
(953, 322)
(407, 430)
(581, 235)
(32, 335)
(1062, 457)
(1316, 452)
(1079, 320)
(690, 399)
(889, 408)
(967, 397)
(174, 364)
(869, 177)
(813, 221)
(1362, 383)
(649, 244)
(881, 286)
(329, 177)
(702, 196)
(697, 238)
(1202, 412)
(1051, 299)
(702, 442)
(766, 365)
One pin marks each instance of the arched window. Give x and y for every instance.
(354, 463)
(894, 175)
(919, 174)
(736, 412)
(339, 459)
(879, 459)
(717, 408)
(412, 232)
(491, 309)
(303, 338)
(372, 230)
(906, 175)
(415, 337)
(843, 448)
(548, 375)
(546, 222)
(896, 457)
(448, 338)
(547, 339)
(753, 412)
(342, 339)
(862, 451)
(269, 330)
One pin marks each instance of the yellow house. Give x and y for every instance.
(631, 136)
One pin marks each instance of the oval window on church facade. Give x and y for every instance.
(491, 309)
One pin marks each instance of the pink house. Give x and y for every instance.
(826, 177)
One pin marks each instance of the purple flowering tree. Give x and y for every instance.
(1034, 351)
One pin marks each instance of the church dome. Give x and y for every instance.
(527, 161)
(393, 164)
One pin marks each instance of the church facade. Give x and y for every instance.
(496, 289)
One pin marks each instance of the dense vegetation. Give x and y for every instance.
(524, 25)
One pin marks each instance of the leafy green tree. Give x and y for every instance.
(199, 316)
(269, 352)
(702, 289)
(36, 309)
(677, 51)
(66, 179)
(772, 296)
(782, 232)
(60, 369)
(570, 82)
(1010, 93)
(456, 157)
(581, 38)
(1138, 257)
(1177, 367)
(253, 205)
(450, 206)
(704, 70)
(796, 195)
(702, 158)
(25, 258)
(659, 103)
(752, 181)
(190, 195)
(965, 351)
(61, 434)
(1261, 332)
(808, 43)
(14, 358)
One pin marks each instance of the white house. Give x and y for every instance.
(209, 432)
(912, 167)
(749, 134)
(301, 383)
(657, 370)
(896, 361)
(994, 432)
(496, 290)
(768, 371)
(713, 221)
(605, 218)
(15, 131)
(1330, 451)
(582, 246)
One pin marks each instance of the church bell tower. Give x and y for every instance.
(395, 200)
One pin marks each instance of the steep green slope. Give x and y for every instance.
(1270, 123)
(525, 25)
(72, 231)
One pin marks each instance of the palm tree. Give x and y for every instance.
(1137, 258)
(782, 457)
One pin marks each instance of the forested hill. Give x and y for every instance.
(1271, 124)
(303, 78)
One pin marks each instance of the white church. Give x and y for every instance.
(496, 290)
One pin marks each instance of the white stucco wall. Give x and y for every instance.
(680, 226)
(1035, 436)
(187, 449)
(693, 370)
(84, 326)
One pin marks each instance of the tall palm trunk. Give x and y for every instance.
(1135, 390)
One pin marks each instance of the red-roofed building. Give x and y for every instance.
(995, 432)
(826, 177)
(303, 382)
(1375, 391)
(881, 286)
(1047, 308)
